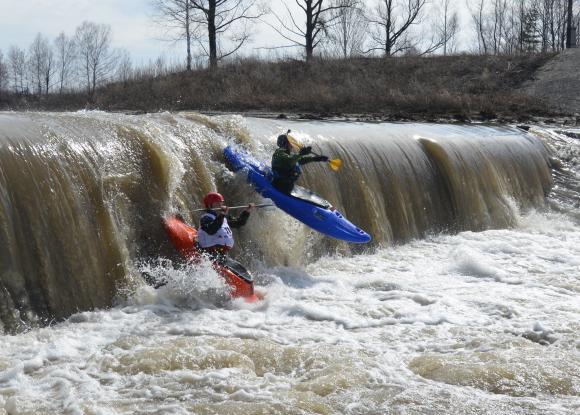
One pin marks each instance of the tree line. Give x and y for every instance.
(347, 28)
(526, 26)
(216, 30)
(65, 64)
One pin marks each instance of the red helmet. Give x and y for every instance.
(212, 197)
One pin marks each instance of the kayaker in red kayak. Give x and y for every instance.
(215, 236)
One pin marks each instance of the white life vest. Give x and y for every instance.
(222, 237)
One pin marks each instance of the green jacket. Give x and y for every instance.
(285, 164)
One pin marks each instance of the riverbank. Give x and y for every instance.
(458, 88)
(475, 118)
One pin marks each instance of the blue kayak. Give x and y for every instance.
(302, 204)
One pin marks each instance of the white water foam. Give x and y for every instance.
(472, 323)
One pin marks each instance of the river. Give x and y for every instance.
(466, 301)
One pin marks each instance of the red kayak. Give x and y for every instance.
(184, 238)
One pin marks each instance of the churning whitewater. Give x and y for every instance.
(467, 302)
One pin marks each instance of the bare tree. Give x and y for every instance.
(219, 17)
(553, 22)
(347, 34)
(48, 70)
(160, 67)
(512, 26)
(449, 24)
(524, 28)
(570, 14)
(392, 20)
(17, 68)
(479, 22)
(96, 60)
(576, 25)
(3, 73)
(41, 63)
(65, 50)
(516, 27)
(124, 67)
(177, 17)
(559, 24)
(494, 25)
(35, 62)
(318, 16)
(444, 27)
(498, 33)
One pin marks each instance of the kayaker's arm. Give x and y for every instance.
(211, 226)
(310, 159)
(306, 158)
(284, 161)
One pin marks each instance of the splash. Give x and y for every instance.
(188, 285)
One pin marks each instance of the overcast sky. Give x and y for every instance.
(21, 20)
(130, 20)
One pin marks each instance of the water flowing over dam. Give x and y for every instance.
(82, 194)
(465, 301)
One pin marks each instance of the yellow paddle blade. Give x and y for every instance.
(335, 164)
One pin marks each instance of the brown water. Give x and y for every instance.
(82, 194)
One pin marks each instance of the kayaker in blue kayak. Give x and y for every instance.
(286, 164)
(215, 234)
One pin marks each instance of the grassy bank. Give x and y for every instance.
(458, 87)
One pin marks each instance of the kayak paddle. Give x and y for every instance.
(263, 205)
(335, 164)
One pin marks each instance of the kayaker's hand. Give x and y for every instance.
(250, 207)
(224, 210)
(305, 150)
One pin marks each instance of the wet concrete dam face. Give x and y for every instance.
(82, 194)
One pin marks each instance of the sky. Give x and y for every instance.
(132, 29)
(130, 21)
